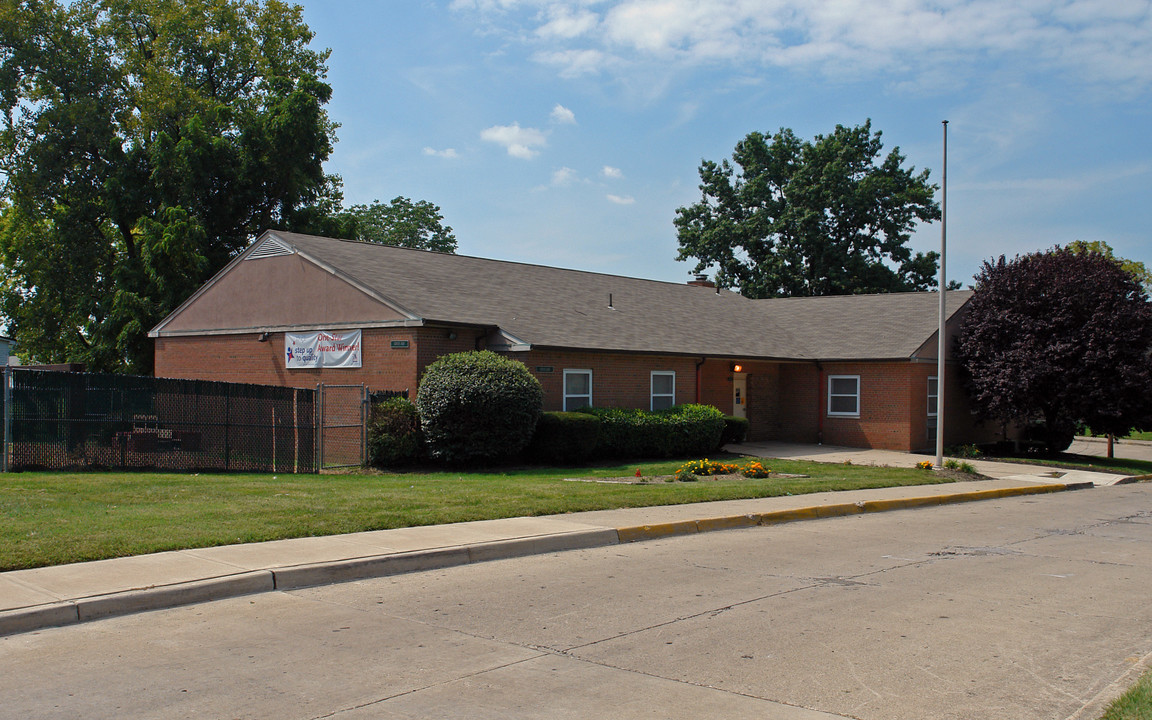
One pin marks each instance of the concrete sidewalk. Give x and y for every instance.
(65, 594)
(892, 458)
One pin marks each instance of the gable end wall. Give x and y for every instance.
(278, 292)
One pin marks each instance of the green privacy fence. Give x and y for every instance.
(63, 420)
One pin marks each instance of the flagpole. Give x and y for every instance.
(942, 348)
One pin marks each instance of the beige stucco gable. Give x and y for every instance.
(279, 292)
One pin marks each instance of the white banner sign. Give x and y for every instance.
(322, 349)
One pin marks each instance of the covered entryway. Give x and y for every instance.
(740, 394)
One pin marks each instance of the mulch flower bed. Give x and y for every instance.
(652, 479)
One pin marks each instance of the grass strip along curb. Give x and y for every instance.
(159, 597)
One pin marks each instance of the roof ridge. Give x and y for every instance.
(478, 258)
(863, 295)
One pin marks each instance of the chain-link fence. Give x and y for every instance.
(343, 425)
(61, 420)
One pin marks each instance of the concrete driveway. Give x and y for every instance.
(1130, 449)
(892, 458)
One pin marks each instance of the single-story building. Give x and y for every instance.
(298, 310)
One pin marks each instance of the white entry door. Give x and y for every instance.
(740, 395)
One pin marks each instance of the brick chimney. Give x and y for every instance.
(701, 280)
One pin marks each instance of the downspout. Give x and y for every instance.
(819, 403)
(698, 365)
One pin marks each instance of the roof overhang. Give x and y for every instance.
(327, 327)
(504, 341)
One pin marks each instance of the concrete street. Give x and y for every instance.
(1015, 608)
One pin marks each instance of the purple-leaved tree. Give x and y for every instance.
(1059, 338)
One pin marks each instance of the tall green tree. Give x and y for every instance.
(403, 223)
(143, 143)
(1135, 268)
(789, 217)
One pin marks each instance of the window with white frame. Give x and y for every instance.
(663, 389)
(844, 395)
(577, 389)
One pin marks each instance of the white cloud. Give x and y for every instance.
(563, 176)
(1059, 189)
(574, 63)
(620, 199)
(562, 115)
(1090, 41)
(612, 172)
(564, 23)
(518, 141)
(445, 153)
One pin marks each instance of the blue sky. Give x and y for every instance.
(567, 133)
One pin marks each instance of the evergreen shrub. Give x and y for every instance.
(478, 406)
(735, 430)
(564, 437)
(676, 432)
(394, 436)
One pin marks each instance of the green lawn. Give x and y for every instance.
(53, 518)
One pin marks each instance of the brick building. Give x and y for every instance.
(847, 370)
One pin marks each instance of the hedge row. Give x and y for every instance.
(677, 432)
(395, 437)
(481, 406)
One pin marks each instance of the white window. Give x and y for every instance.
(844, 395)
(663, 389)
(577, 389)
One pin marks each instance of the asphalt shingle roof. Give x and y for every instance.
(554, 307)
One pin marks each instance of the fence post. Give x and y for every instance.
(7, 414)
(319, 427)
(227, 428)
(364, 414)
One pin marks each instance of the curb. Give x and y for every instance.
(817, 512)
(69, 612)
(1132, 479)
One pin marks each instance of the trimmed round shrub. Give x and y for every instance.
(735, 430)
(564, 437)
(478, 406)
(394, 436)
